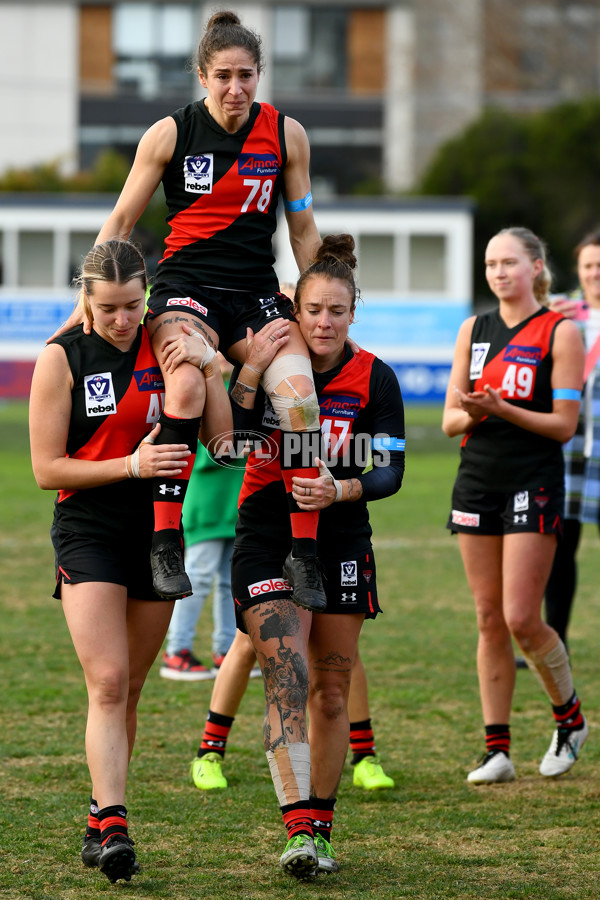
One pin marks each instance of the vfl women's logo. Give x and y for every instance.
(479, 354)
(198, 173)
(349, 573)
(99, 395)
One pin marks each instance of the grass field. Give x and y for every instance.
(433, 836)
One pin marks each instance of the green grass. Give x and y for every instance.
(433, 836)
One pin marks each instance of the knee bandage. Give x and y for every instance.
(550, 665)
(296, 413)
(290, 771)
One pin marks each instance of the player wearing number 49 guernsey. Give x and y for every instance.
(514, 395)
(519, 361)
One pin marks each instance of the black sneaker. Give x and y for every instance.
(169, 577)
(90, 852)
(117, 858)
(304, 574)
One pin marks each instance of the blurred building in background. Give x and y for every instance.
(377, 85)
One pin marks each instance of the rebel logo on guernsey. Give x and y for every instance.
(99, 395)
(258, 164)
(532, 356)
(149, 379)
(198, 173)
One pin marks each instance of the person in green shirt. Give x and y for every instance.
(209, 517)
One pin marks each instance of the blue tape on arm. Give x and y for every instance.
(298, 205)
(566, 394)
(389, 443)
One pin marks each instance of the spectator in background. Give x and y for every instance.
(209, 517)
(582, 452)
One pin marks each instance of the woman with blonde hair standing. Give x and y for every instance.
(514, 395)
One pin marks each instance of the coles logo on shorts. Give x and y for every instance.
(198, 173)
(469, 520)
(267, 586)
(187, 301)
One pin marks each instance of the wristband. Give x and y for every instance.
(129, 475)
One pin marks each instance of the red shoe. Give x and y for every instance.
(184, 666)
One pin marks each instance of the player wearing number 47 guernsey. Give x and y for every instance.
(514, 393)
(306, 657)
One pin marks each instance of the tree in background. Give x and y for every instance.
(107, 176)
(541, 170)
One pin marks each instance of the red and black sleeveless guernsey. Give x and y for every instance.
(359, 399)
(222, 192)
(116, 399)
(496, 455)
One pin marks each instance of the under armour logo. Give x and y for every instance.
(348, 598)
(272, 312)
(519, 519)
(163, 489)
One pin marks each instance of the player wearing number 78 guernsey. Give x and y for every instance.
(224, 162)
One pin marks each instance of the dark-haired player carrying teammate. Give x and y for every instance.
(307, 658)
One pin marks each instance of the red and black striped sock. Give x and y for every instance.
(93, 824)
(569, 715)
(497, 738)
(113, 820)
(216, 732)
(298, 451)
(362, 740)
(321, 812)
(168, 494)
(297, 818)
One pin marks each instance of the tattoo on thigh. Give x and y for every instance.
(333, 662)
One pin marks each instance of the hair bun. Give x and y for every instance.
(223, 17)
(339, 247)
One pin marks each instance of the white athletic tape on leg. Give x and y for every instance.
(290, 771)
(279, 372)
(550, 665)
